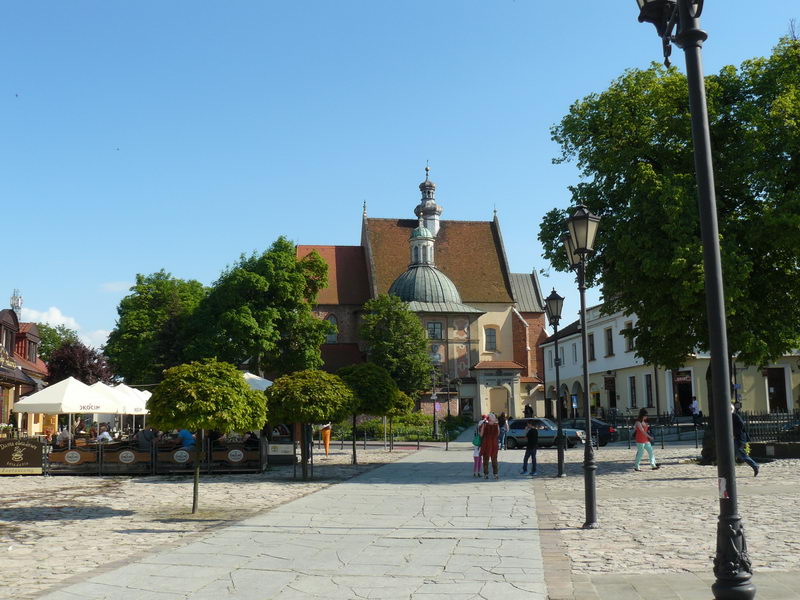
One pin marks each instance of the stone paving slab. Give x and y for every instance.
(420, 528)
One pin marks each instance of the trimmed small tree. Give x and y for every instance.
(309, 396)
(207, 394)
(374, 392)
(402, 405)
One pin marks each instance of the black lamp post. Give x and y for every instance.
(552, 306)
(731, 564)
(578, 244)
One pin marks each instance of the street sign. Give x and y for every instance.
(437, 407)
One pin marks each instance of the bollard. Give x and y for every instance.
(341, 439)
(365, 439)
(629, 437)
(447, 439)
(662, 438)
(418, 440)
(696, 445)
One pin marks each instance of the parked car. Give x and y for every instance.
(600, 429)
(515, 438)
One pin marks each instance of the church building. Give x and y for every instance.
(484, 323)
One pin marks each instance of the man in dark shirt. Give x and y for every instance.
(532, 443)
(739, 439)
(144, 439)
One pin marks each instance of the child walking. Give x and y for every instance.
(476, 461)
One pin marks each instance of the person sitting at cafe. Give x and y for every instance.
(187, 439)
(145, 438)
(251, 440)
(63, 437)
(104, 436)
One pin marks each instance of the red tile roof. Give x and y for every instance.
(470, 253)
(39, 368)
(347, 273)
(498, 364)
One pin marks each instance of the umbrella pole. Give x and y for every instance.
(69, 432)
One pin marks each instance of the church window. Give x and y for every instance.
(416, 254)
(490, 335)
(434, 330)
(332, 337)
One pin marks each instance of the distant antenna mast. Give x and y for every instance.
(16, 303)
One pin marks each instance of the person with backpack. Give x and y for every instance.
(644, 441)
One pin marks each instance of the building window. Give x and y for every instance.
(434, 330)
(561, 356)
(575, 353)
(590, 343)
(550, 358)
(648, 390)
(416, 254)
(7, 340)
(609, 342)
(32, 351)
(490, 335)
(632, 386)
(628, 339)
(332, 337)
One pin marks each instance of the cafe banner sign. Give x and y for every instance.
(20, 457)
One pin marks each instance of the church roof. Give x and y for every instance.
(470, 253)
(348, 282)
(527, 294)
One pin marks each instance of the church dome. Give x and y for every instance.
(422, 232)
(424, 283)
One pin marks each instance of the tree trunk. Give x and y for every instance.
(355, 460)
(198, 457)
(304, 451)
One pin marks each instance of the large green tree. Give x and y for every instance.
(374, 392)
(632, 144)
(305, 397)
(205, 395)
(148, 335)
(397, 342)
(259, 312)
(52, 337)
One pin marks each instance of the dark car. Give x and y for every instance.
(600, 429)
(515, 438)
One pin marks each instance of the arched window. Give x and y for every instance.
(416, 254)
(333, 337)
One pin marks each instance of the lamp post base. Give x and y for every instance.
(592, 525)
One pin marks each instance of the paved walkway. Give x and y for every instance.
(420, 528)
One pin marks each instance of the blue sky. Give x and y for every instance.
(145, 135)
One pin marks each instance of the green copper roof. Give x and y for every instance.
(442, 307)
(425, 283)
(422, 232)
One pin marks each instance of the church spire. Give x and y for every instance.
(16, 304)
(427, 209)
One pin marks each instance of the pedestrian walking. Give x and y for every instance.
(489, 431)
(739, 439)
(697, 416)
(531, 444)
(503, 423)
(643, 441)
(325, 432)
(528, 411)
(476, 454)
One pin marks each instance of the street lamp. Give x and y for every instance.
(732, 566)
(552, 306)
(578, 244)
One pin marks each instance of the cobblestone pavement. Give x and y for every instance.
(52, 528)
(663, 522)
(422, 528)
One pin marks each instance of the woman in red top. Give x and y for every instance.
(490, 432)
(641, 433)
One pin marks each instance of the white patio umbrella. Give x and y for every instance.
(135, 401)
(69, 397)
(255, 382)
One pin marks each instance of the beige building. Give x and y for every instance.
(620, 381)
